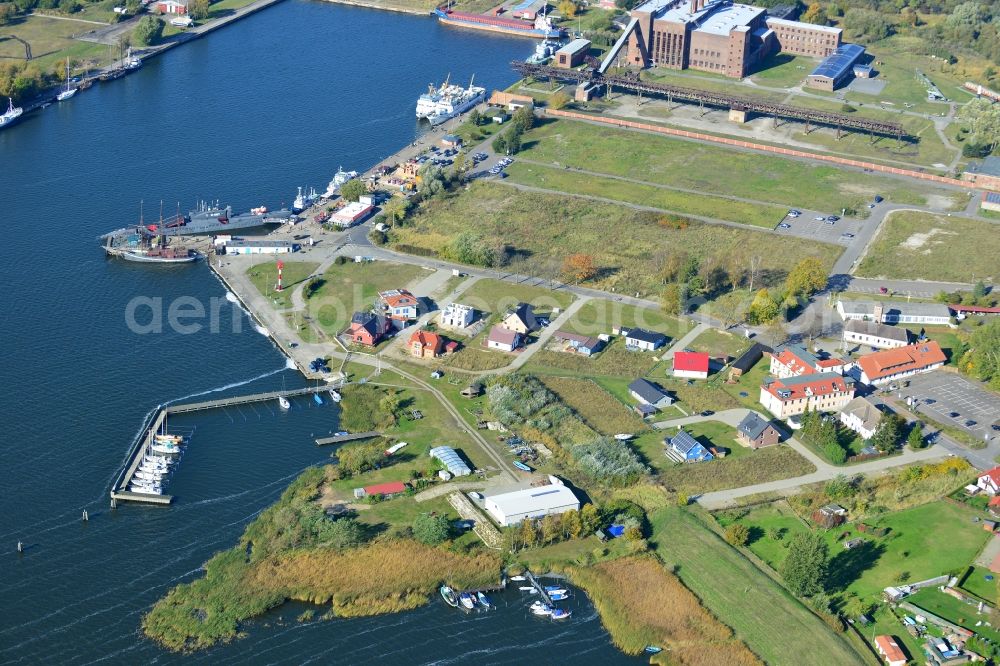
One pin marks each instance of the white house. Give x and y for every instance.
(823, 392)
(260, 247)
(693, 365)
(890, 365)
(503, 339)
(351, 214)
(456, 315)
(893, 312)
(643, 340)
(874, 334)
(511, 508)
(398, 304)
(862, 416)
(989, 481)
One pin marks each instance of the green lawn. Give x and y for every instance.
(913, 245)
(720, 343)
(51, 42)
(953, 610)
(718, 434)
(744, 468)
(977, 583)
(783, 70)
(614, 360)
(708, 168)
(654, 196)
(542, 229)
(599, 409)
(776, 626)
(351, 287)
(598, 316)
(265, 276)
(496, 296)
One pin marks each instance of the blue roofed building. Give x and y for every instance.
(836, 68)
(682, 447)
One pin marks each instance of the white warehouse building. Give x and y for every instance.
(511, 508)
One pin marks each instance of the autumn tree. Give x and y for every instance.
(551, 528)
(579, 267)
(198, 9)
(763, 308)
(559, 100)
(571, 525)
(671, 300)
(567, 8)
(806, 278)
(814, 14)
(528, 533)
(738, 534)
(590, 518)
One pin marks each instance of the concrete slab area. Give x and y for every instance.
(954, 393)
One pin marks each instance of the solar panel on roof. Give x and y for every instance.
(839, 62)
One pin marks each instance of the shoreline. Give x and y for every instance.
(387, 8)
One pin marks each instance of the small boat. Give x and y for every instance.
(558, 596)
(560, 614)
(483, 599)
(553, 588)
(527, 588)
(541, 609)
(334, 395)
(449, 596)
(624, 436)
(283, 402)
(164, 447)
(518, 578)
(68, 91)
(156, 469)
(148, 476)
(557, 590)
(521, 466)
(318, 400)
(652, 649)
(467, 600)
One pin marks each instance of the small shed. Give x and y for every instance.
(451, 141)
(830, 515)
(473, 390)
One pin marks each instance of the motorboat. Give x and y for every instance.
(467, 600)
(538, 608)
(483, 599)
(518, 578)
(558, 596)
(560, 614)
(556, 590)
(449, 596)
(148, 476)
(624, 436)
(176, 439)
(652, 649)
(335, 396)
(527, 588)
(164, 447)
(521, 466)
(143, 487)
(317, 399)
(283, 402)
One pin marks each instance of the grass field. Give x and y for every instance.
(654, 196)
(614, 361)
(956, 611)
(265, 276)
(51, 41)
(351, 287)
(761, 466)
(720, 343)
(912, 547)
(624, 242)
(925, 246)
(598, 408)
(598, 316)
(496, 296)
(706, 168)
(783, 70)
(778, 628)
(977, 583)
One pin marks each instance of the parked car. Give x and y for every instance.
(953, 415)
(829, 221)
(878, 199)
(784, 225)
(847, 235)
(970, 424)
(883, 290)
(832, 218)
(820, 218)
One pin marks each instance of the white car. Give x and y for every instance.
(820, 218)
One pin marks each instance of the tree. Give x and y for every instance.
(353, 189)
(804, 568)
(7, 12)
(396, 209)
(984, 355)
(551, 528)
(513, 140)
(915, 439)
(571, 525)
(590, 518)
(523, 119)
(671, 300)
(866, 24)
(567, 8)
(814, 14)
(763, 308)
(342, 533)
(559, 100)
(431, 529)
(579, 267)
(527, 533)
(887, 433)
(499, 144)
(148, 31)
(806, 278)
(198, 9)
(357, 458)
(983, 118)
(738, 534)
(476, 118)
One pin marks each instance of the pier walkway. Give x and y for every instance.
(337, 439)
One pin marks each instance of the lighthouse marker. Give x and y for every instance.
(280, 266)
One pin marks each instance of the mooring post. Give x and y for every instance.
(20, 547)
(86, 517)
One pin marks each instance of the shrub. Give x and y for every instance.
(431, 530)
(738, 534)
(609, 460)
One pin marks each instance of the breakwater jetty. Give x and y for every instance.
(156, 424)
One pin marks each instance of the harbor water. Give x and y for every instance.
(245, 115)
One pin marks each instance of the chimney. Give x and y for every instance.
(693, 6)
(878, 311)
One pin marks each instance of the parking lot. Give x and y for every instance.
(954, 394)
(807, 226)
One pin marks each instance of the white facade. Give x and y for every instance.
(690, 374)
(891, 312)
(511, 508)
(351, 214)
(259, 247)
(861, 416)
(456, 315)
(874, 334)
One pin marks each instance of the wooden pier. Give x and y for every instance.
(538, 586)
(120, 491)
(337, 439)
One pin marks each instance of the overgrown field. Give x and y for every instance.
(598, 408)
(924, 246)
(264, 276)
(769, 464)
(711, 169)
(541, 230)
(642, 604)
(349, 287)
(776, 626)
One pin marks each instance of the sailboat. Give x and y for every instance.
(68, 91)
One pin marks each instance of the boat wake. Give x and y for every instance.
(224, 387)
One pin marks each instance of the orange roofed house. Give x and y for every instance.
(892, 364)
(424, 344)
(794, 360)
(398, 304)
(891, 653)
(820, 392)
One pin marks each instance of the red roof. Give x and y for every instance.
(796, 365)
(974, 308)
(888, 646)
(890, 362)
(390, 488)
(691, 361)
(397, 298)
(819, 384)
(995, 500)
(426, 339)
(993, 474)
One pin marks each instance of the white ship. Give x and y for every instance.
(304, 200)
(12, 113)
(439, 104)
(339, 179)
(543, 52)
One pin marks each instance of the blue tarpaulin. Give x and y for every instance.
(616, 530)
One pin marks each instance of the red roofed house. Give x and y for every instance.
(892, 364)
(424, 344)
(989, 481)
(690, 364)
(890, 651)
(385, 489)
(822, 392)
(367, 328)
(398, 304)
(171, 7)
(795, 360)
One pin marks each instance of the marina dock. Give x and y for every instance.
(337, 439)
(120, 491)
(538, 586)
